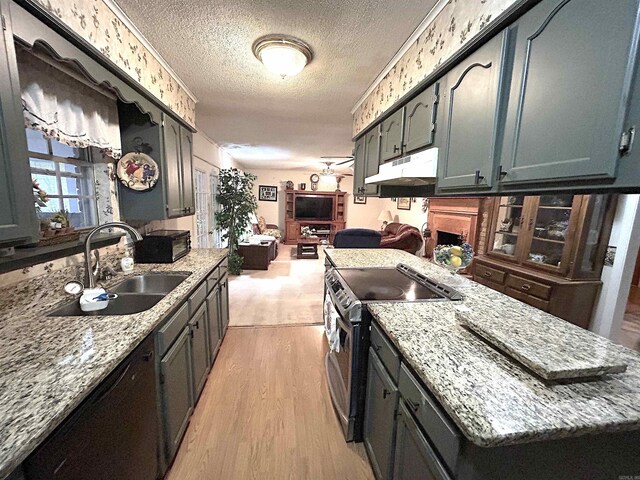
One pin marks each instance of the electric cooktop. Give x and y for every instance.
(400, 284)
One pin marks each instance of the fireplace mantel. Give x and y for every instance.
(458, 216)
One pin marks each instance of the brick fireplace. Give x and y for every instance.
(454, 220)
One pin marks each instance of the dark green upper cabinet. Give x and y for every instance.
(18, 223)
(186, 156)
(420, 120)
(173, 167)
(371, 159)
(391, 130)
(471, 111)
(358, 167)
(572, 66)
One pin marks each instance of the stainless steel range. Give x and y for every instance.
(348, 322)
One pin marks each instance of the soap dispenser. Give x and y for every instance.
(126, 263)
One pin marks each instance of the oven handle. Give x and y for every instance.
(332, 392)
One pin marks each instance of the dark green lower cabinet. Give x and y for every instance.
(213, 312)
(176, 391)
(224, 305)
(379, 423)
(199, 334)
(414, 457)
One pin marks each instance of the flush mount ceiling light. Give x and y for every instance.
(283, 55)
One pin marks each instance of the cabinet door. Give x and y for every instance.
(177, 392)
(213, 312)
(372, 159)
(359, 167)
(414, 457)
(172, 167)
(224, 305)
(379, 420)
(17, 215)
(471, 106)
(391, 136)
(199, 334)
(186, 156)
(570, 81)
(420, 120)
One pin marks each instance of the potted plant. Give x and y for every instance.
(237, 203)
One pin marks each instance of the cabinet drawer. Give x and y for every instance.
(529, 299)
(172, 328)
(529, 287)
(213, 278)
(223, 267)
(197, 298)
(488, 283)
(386, 351)
(490, 274)
(439, 429)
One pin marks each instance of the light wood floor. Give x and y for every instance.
(289, 293)
(266, 413)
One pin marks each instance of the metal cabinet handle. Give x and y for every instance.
(148, 356)
(501, 173)
(198, 324)
(487, 274)
(396, 149)
(526, 287)
(385, 393)
(414, 405)
(191, 332)
(376, 347)
(478, 177)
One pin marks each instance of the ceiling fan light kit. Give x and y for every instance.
(283, 55)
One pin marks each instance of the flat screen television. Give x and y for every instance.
(314, 208)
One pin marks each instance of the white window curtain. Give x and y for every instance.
(63, 105)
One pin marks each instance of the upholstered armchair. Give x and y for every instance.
(401, 237)
(264, 228)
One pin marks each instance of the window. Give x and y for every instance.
(66, 175)
(202, 209)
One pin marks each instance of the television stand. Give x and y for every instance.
(323, 228)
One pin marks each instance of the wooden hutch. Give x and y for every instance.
(325, 229)
(548, 251)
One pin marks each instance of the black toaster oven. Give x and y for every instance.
(162, 246)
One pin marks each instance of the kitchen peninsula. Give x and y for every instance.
(50, 365)
(501, 418)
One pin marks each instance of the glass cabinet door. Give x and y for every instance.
(596, 231)
(508, 224)
(549, 228)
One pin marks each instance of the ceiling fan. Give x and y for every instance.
(334, 161)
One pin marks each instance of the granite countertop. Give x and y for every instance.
(48, 365)
(492, 398)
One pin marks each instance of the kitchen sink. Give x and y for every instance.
(135, 294)
(125, 304)
(149, 283)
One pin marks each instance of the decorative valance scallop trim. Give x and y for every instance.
(456, 24)
(104, 25)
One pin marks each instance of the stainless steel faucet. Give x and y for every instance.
(89, 273)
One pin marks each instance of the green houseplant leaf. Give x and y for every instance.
(237, 203)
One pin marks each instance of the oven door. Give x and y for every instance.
(339, 366)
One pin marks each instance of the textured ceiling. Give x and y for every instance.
(262, 120)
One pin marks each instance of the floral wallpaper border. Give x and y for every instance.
(453, 27)
(96, 23)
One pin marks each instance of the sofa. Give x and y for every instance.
(357, 238)
(401, 237)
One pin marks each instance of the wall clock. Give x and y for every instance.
(314, 178)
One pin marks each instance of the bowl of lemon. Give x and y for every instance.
(453, 257)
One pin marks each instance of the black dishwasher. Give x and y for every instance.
(113, 434)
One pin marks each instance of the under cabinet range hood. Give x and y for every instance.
(418, 169)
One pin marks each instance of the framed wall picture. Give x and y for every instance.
(404, 203)
(359, 199)
(268, 193)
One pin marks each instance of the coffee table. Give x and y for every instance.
(308, 247)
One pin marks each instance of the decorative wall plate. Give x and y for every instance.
(138, 171)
